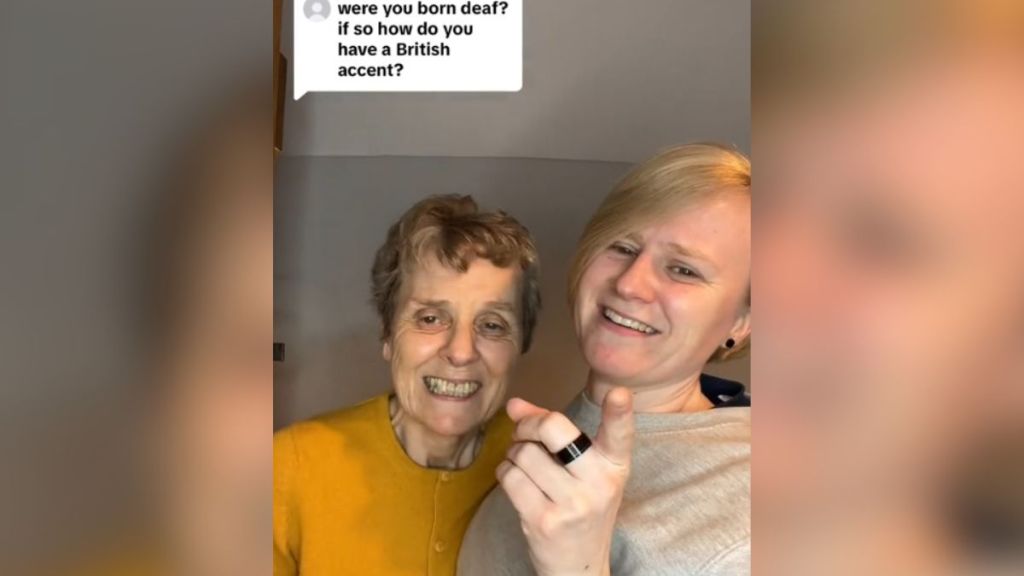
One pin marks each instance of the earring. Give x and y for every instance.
(730, 343)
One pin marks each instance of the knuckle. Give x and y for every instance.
(549, 525)
(547, 421)
(531, 452)
(511, 462)
(518, 457)
(511, 476)
(502, 471)
(562, 420)
(520, 450)
(553, 420)
(578, 507)
(555, 425)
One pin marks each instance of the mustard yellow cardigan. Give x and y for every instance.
(347, 499)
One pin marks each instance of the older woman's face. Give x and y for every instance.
(655, 304)
(456, 337)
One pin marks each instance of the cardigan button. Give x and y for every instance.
(446, 476)
(440, 546)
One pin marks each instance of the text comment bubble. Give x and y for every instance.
(408, 46)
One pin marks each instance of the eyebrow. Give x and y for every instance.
(502, 305)
(494, 305)
(431, 303)
(674, 247)
(687, 252)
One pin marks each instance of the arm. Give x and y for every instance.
(568, 512)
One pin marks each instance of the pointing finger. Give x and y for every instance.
(553, 430)
(518, 409)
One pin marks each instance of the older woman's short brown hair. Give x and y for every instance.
(670, 180)
(454, 230)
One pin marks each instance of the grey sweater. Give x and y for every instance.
(686, 509)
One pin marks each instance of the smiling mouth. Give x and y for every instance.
(627, 322)
(458, 389)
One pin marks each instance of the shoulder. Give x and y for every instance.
(333, 433)
(702, 465)
(731, 423)
(733, 559)
(500, 428)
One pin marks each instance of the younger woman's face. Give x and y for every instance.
(657, 302)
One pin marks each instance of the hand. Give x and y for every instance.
(568, 512)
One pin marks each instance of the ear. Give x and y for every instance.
(385, 351)
(740, 330)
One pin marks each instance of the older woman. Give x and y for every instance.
(389, 486)
(659, 287)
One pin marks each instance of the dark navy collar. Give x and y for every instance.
(723, 393)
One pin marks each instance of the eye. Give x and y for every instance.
(623, 249)
(682, 271)
(493, 327)
(431, 319)
(883, 242)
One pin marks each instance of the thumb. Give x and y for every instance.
(615, 435)
(518, 409)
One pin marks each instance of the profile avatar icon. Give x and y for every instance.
(316, 10)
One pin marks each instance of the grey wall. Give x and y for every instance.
(610, 80)
(331, 215)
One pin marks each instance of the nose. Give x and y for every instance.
(636, 282)
(460, 349)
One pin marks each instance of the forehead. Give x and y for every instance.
(717, 228)
(939, 145)
(482, 281)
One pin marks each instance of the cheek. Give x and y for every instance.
(499, 358)
(600, 274)
(412, 350)
(697, 315)
(686, 309)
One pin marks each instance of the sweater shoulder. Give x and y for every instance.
(336, 432)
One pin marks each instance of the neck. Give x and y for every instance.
(429, 449)
(680, 396)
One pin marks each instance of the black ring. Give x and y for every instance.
(574, 450)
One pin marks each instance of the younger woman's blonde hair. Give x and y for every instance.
(673, 179)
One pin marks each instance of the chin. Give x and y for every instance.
(614, 365)
(620, 377)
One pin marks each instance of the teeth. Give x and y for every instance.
(628, 322)
(442, 387)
